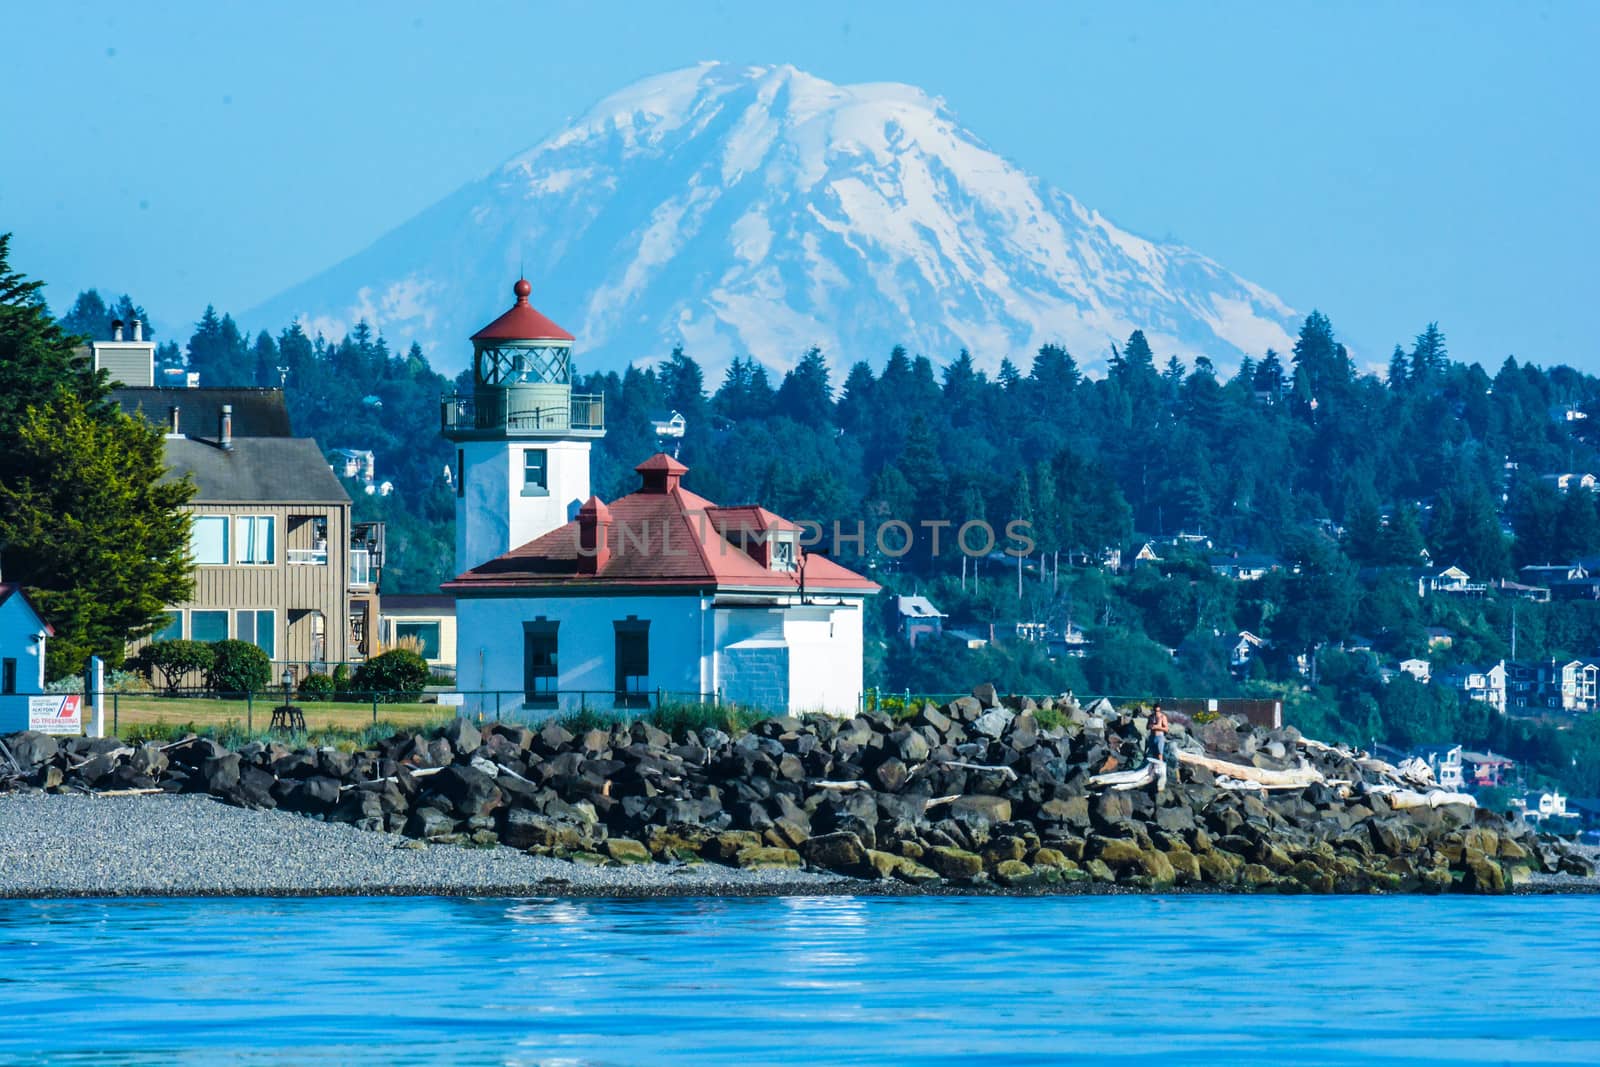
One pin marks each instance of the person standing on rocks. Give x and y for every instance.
(1159, 725)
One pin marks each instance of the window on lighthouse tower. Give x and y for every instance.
(535, 472)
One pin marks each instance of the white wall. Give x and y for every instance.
(489, 647)
(825, 657)
(493, 515)
(799, 658)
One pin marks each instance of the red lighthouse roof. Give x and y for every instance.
(522, 322)
(660, 537)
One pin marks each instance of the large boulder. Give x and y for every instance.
(468, 790)
(993, 723)
(461, 735)
(981, 809)
(840, 851)
(32, 748)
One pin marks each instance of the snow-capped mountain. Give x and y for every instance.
(740, 210)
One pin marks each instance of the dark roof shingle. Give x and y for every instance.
(289, 470)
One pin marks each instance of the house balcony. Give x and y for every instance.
(510, 413)
(362, 571)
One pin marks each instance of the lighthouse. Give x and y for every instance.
(522, 436)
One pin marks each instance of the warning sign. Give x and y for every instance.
(56, 714)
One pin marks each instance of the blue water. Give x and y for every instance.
(804, 980)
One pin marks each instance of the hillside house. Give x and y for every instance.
(1445, 763)
(1440, 637)
(665, 423)
(1452, 581)
(1245, 566)
(357, 464)
(565, 601)
(917, 617)
(1487, 684)
(1420, 669)
(1550, 573)
(1147, 556)
(1566, 481)
(278, 561)
(1242, 649)
(1484, 769)
(1536, 808)
(1538, 594)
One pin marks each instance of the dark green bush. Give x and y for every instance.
(398, 672)
(238, 667)
(172, 660)
(317, 687)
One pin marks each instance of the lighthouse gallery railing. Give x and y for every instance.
(586, 411)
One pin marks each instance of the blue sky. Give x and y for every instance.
(1391, 164)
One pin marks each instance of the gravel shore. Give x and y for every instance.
(83, 846)
(66, 846)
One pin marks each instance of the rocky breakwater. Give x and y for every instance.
(979, 792)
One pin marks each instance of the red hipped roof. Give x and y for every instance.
(660, 536)
(522, 322)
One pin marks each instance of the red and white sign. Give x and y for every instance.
(56, 714)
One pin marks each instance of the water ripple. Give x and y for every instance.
(834, 980)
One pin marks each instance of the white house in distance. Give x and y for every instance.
(22, 643)
(563, 600)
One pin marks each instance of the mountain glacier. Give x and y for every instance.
(761, 211)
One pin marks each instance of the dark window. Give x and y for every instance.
(8, 676)
(535, 471)
(426, 634)
(633, 662)
(208, 625)
(540, 673)
(461, 472)
(173, 630)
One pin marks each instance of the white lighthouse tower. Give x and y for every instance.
(522, 437)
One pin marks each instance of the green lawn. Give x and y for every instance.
(144, 710)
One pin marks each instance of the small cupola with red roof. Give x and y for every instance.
(660, 474)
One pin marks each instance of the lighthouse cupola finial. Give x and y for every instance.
(523, 288)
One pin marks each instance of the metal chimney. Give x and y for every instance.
(138, 330)
(225, 427)
(172, 421)
(116, 329)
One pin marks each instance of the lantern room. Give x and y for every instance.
(522, 380)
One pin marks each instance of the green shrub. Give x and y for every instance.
(238, 667)
(398, 672)
(317, 687)
(341, 677)
(172, 660)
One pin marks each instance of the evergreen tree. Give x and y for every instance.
(1269, 377)
(806, 395)
(93, 530)
(1008, 376)
(265, 356)
(88, 525)
(857, 400)
(1430, 357)
(1398, 369)
(89, 317)
(37, 358)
